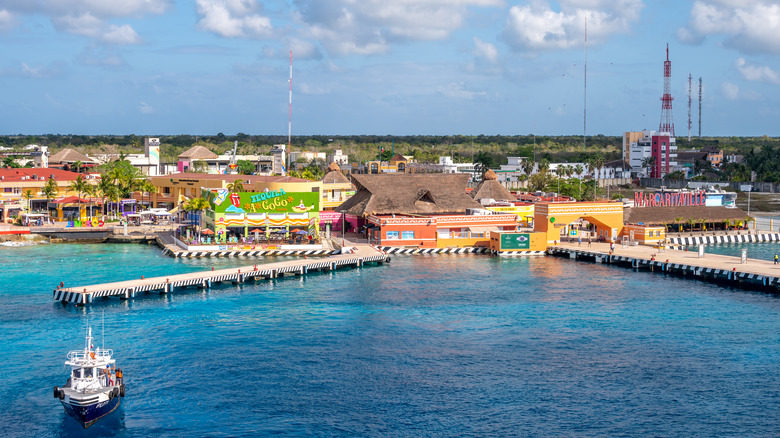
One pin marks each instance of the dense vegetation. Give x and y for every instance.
(762, 154)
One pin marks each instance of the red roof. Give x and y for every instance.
(233, 177)
(41, 174)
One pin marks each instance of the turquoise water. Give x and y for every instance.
(425, 346)
(760, 251)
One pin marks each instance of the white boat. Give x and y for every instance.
(92, 390)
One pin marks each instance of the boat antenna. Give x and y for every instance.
(103, 328)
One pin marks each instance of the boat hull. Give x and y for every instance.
(87, 415)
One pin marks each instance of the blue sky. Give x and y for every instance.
(402, 67)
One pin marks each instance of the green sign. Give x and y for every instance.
(515, 241)
(276, 201)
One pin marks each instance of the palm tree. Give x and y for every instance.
(197, 204)
(678, 220)
(50, 190)
(236, 186)
(691, 221)
(81, 186)
(28, 195)
(528, 168)
(598, 163)
(578, 169)
(104, 188)
(648, 162)
(544, 165)
(78, 164)
(146, 186)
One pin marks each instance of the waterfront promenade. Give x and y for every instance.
(355, 256)
(712, 267)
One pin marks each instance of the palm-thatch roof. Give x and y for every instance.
(334, 175)
(667, 215)
(69, 156)
(490, 188)
(416, 193)
(198, 153)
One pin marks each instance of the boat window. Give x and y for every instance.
(77, 373)
(87, 372)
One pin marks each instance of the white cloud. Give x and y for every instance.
(90, 26)
(367, 27)
(733, 92)
(90, 18)
(758, 73)
(750, 26)
(233, 18)
(485, 50)
(538, 27)
(6, 21)
(457, 90)
(145, 108)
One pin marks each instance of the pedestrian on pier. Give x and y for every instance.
(775, 258)
(579, 241)
(588, 240)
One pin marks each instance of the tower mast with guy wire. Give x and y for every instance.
(289, 121)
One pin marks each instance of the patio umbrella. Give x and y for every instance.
(299, 232)
(207, 231)
(257, 231)
(295, 230)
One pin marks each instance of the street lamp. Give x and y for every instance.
(750, 189)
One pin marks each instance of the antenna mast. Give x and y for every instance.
(289, 121)
(667, 124)
(689, 106)
(585, 106)
(699, 107)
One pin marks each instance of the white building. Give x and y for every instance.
(306, 156)
(339, 158)
(448, 166)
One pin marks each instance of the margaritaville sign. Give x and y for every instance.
(673, 199)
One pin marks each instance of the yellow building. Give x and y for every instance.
(553, 218)
(15, 183)
(174, 189)
(336, 188)
(524, 212)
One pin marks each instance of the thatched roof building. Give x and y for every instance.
(409, 194)
(490, 188)
(667, 215)
(334, 175)
(198, 153)
(69, 156)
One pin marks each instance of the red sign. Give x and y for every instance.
(669, 199)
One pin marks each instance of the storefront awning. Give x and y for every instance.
(484, 229)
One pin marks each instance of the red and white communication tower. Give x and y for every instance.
(667, 124)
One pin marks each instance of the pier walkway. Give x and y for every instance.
(727, 270)
(355, 256)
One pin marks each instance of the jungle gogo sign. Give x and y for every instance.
(674, 199)
(275, 201)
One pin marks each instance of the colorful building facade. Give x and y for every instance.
(438, 231)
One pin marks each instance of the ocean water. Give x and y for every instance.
(424, 346)
(755, 250)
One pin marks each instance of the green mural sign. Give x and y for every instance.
(276, 201)
(515, 241)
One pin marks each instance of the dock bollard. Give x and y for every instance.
(212, 268)
(142, 277)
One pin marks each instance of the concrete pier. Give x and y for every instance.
(721, 269)
(358, 256)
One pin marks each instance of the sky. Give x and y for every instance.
(386, 67)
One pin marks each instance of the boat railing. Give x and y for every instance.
(81, 356)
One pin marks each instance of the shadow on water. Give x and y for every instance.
(112, 424)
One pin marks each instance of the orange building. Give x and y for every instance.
(422, 210)
(553, 218)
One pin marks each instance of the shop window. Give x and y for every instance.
(392, 235)
(406, 235)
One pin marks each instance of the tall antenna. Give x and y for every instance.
(667, 124)
(585, 106)
(699, 107)
(289, 121)
(689, 107)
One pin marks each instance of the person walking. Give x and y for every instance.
(588, 240)
(579, 240)
(775, 258)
